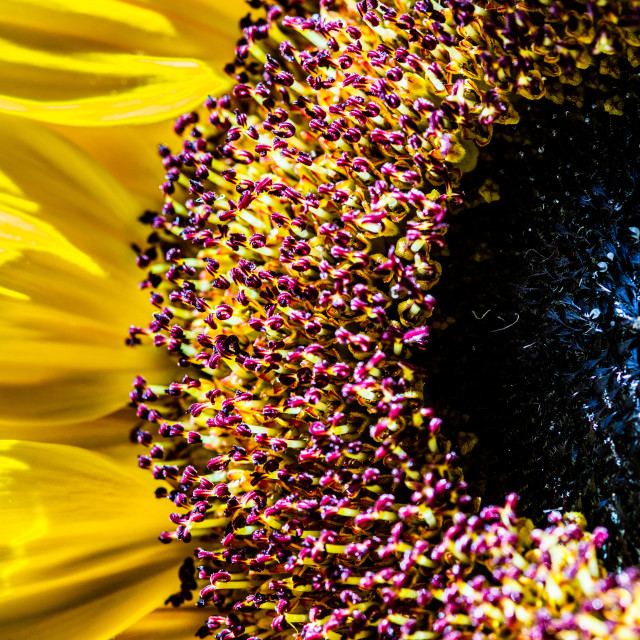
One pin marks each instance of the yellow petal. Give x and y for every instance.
(78, 550)
(44, 175)
(98, 435)
(108, 62)
(19, 230)
(130, 153)
(84, 89)
(68, 281)
(110, 435)
(167, 623)
(62, 351)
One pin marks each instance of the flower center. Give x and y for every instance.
(291, 267)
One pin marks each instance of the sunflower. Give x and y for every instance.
(290, 268)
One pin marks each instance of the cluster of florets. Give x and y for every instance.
(291, 271)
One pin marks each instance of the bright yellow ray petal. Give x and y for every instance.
(152, 27)
(109, 435)
(110, 62)
(68, 281)
(19, 230)
(77, 551)
(44, 175)
(100, 89)
(167, 623)
(62, 351)
(130, 153)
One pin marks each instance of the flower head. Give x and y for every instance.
(291, 271)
